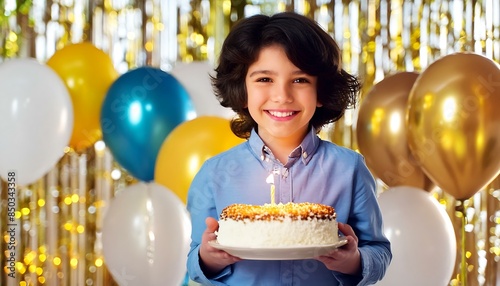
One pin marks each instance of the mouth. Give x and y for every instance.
(281, 114)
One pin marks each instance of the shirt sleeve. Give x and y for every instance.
(197, 275)
(200, 204)
(366, 221)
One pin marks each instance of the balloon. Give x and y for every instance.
(422, 238)
(36, 120)
(381, 133)
(140, 109)
(195, 77)
(454, 122)
(145, 236)
(187, 147)
(88, 72)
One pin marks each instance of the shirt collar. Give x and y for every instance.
(305, 150)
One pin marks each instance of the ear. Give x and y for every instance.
(319, 104)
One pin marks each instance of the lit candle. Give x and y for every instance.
(270, 180)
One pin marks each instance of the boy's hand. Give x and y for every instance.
(345, 259)
(213, 260)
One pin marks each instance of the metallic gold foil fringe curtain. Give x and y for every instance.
(59, 239)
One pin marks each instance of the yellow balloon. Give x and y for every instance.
(454, 123)
(88, 73)
(187, 147)
(381, 133)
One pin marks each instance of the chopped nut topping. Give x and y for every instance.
(267, 212)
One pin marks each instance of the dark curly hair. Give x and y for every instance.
(306, 45)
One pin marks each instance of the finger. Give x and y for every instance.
(230, 257)
(209, 233)
(330, 262)
(351, 240)
(326, 259)
(212, 224)
(332, 255)
(346, 229)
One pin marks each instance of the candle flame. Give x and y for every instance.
(270, 179)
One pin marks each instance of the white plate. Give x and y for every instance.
(279, 253)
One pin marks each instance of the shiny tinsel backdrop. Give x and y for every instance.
(61, 223)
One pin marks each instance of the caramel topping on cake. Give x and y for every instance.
(296, 211)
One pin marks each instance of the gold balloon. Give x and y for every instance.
(381, 133)
(88, 73)
(187, 147)
(454, 123)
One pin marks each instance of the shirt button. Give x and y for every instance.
(304, 155)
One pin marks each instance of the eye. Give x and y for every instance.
(301, 80)
(264, 79)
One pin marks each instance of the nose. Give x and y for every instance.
(282, 93)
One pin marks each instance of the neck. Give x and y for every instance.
(281, 148)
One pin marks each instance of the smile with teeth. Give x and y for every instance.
(281, 113)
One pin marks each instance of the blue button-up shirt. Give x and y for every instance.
(317, 171)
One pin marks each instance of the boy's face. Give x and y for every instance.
(281, 98)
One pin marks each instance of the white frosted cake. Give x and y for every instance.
(274, 225)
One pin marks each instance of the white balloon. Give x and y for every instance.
(422, 238)
(145, 236)
(36, 119)
(195, 77)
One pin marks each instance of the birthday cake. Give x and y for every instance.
(277, 225)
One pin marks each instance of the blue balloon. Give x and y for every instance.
(140, 109)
